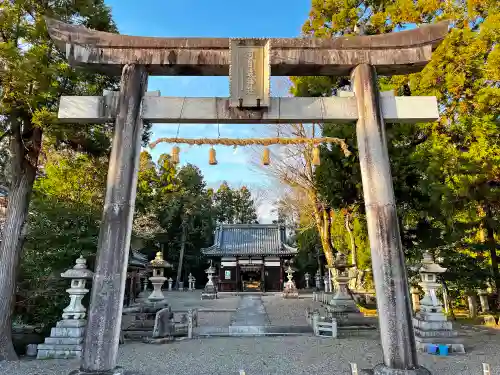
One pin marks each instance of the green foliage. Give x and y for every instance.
(446, 174)
(63, 224)
(234, 206)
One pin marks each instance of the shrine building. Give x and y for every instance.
(250, 257)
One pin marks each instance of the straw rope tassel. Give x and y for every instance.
(175, 154)
(316, 159)
(212, 157)
(266, 159)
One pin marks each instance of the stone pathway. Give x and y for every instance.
(250, 318)
(250, 312)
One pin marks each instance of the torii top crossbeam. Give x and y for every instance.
(391, 54)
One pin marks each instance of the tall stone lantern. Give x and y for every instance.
(430, 323)
(66, 338)
(158, 279)
(290, 290)
(210, 291)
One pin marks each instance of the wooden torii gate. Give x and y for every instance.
(249, 64)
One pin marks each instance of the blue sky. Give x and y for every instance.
(212, 18)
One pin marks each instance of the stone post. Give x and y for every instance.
(108, 288)
(190, 324)
(317, 279)
(483, 299)
(471, 299)
(315, 321)
(388, 262)
(144, 292)
(415, 298)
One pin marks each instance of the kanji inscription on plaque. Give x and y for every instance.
(249, 73)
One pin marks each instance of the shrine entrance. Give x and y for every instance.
(249, 63)
(252, 278)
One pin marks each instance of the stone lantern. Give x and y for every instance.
(158, 264)
(290, 289)
(342, 306)
(307, 277)
(210, 291)
(66, 339)
(430, 323)
(191, 280)
(429, 272)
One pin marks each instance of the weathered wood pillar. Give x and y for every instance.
(388, 262)
(105, 312)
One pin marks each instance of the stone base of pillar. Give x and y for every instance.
(65, 341)
(384, 370)
(432, 328)
(290, 290)
(210, 292)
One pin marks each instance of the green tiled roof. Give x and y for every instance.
(249, 239)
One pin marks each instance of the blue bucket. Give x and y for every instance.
(443, 350)
(432, 349)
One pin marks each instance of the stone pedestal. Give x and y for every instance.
(210, 291)
(66, 338)
(290, 289)
(430, 323)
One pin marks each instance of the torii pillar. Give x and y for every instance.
(388, 261)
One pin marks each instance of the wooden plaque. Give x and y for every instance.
(249, 73)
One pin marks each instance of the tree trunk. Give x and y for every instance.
(181, 256)
(354, 254)
(450, 305)
(492, 246)
(25, 149)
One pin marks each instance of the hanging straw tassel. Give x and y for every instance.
(175, 154)
(211, 157)
(316, 160)
(266, 160)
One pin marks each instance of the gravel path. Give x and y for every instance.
(288, 312)
(290, 355)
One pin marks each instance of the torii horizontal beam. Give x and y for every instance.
(397, 53)
(163, 109)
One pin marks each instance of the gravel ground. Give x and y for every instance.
(288, 312)
(189, 300)
(290, 355)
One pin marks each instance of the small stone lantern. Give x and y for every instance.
(191, 280)
(307, 277)
(158, 264)
(170, 281)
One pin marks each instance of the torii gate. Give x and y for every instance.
(249, 64)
